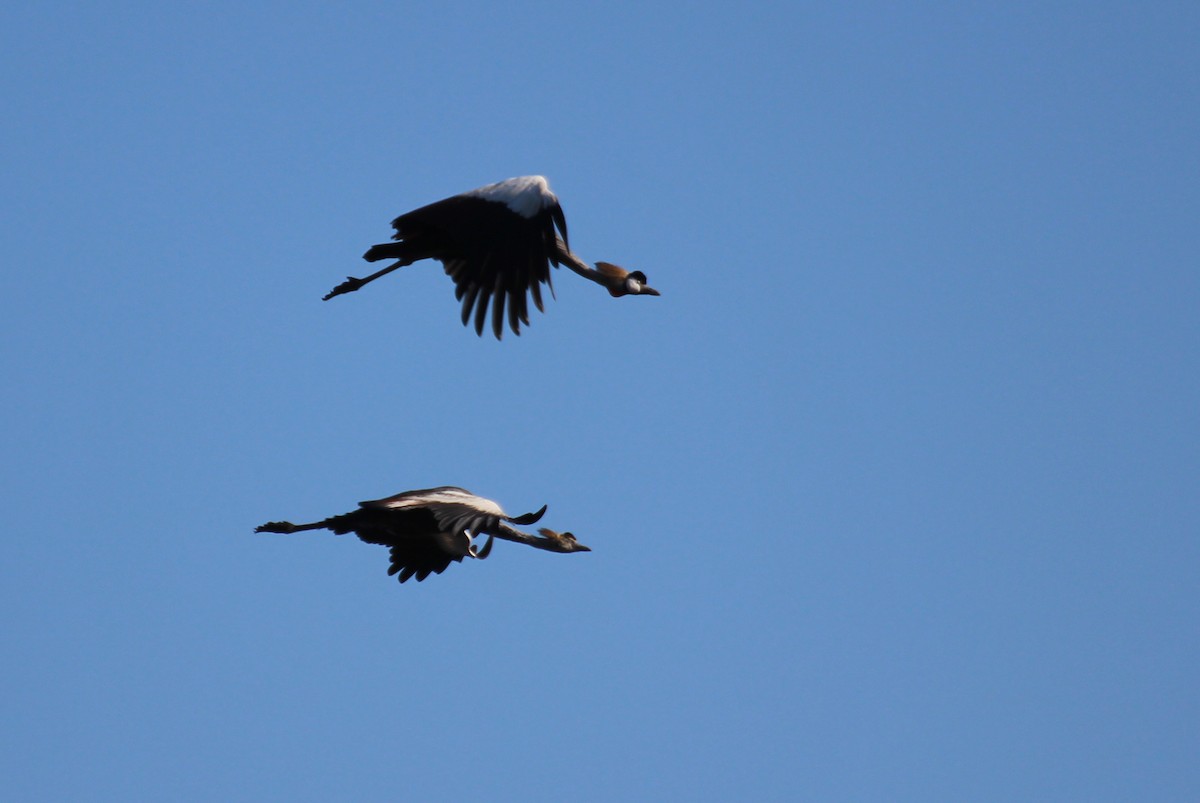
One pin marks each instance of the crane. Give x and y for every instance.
(497, 243)
(427, 529)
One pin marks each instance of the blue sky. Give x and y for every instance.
(892, 494)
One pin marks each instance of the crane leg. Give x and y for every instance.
(286, 527)
(351, 284)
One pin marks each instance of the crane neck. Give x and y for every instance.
(568, 258)
(507, 532)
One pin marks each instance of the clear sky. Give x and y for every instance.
(892, 494)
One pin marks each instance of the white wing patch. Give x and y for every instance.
(447, 496)
(525, 195)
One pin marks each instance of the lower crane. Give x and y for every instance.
(428, 529)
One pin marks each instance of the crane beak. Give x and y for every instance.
(650, 291)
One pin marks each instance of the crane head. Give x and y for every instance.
(621, 282)
(561, 542)
(635, 285)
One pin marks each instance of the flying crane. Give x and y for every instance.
(497, 243)
(428, 529)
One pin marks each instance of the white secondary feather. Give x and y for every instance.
(525, 195)
(448, 496)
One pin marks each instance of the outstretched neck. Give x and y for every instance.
(566, 257)
(547, 539)
(507, 532)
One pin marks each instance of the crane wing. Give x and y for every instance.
(495, 256)
(448, 509)
(420, 557)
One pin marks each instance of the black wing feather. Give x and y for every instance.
(419, 558)
(498, 309)
(487, 248)
(412, 534)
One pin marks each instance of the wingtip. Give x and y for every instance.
(530, 518)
